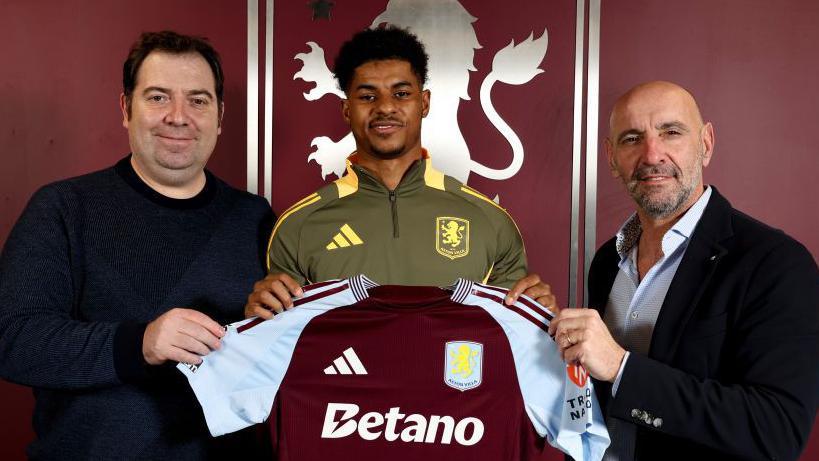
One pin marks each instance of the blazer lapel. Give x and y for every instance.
(601, 276)
(692, 277)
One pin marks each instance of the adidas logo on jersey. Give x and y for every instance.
(347, 237)
(394, 425)
(351, 366)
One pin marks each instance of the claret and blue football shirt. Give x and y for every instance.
(401, 373)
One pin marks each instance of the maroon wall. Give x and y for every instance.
(59, 116)
(747, 61)
(752, 66)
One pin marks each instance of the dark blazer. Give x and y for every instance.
(733, 367)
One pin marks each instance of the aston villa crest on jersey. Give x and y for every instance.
(463, 365)
(452, 236)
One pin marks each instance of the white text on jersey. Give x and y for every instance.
(416, 428)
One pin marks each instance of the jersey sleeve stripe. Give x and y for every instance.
(358, 289)
(298, 302)
(367, 283)
(501, 291)
(522, 299)
(316, 286)
(250, 324)
(540, 324)
(462, 289)
(323, 294)
(544, 311)
(359, 285)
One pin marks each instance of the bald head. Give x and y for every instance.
(659, 94)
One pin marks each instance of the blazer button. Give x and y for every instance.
(658, 422)
(635, 413)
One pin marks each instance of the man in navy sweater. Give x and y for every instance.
(108, 278)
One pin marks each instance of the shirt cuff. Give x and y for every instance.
(619, 374)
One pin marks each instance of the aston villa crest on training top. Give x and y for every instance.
(452, 236)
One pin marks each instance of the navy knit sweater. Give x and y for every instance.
(90, 262)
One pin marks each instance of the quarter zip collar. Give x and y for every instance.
(417, 176)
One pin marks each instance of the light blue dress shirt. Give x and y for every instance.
(634, 305)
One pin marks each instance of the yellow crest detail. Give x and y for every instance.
(463, 360)
(452, 236)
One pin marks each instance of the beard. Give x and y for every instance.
(659, 205)
(389, 154)
(387, 151)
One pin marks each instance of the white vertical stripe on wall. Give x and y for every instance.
(592, 102)
(579, 35)
(268, 101)
(253, 96)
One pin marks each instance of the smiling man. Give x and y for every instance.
(173, 117)
(108, 276)
(392, 216)
(704, 336)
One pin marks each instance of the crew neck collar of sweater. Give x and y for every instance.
(126, 171)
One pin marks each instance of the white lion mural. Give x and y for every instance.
(445, 28)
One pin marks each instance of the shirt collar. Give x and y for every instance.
(629, 232)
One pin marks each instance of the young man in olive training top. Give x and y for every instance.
(392, 216)
(429, 230)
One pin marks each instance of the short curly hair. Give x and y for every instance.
(380, 44)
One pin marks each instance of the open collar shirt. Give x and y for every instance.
(634, 305)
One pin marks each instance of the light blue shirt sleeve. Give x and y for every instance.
(237, 383)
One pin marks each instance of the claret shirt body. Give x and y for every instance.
(401, 373)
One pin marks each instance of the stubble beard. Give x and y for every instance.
(660, 206)
(388, 154)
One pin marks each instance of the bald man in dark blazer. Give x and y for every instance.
(704, 332)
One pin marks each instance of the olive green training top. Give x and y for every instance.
(430, 230)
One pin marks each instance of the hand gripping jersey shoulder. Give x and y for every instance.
(402, 372)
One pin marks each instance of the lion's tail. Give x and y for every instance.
(513, 65)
